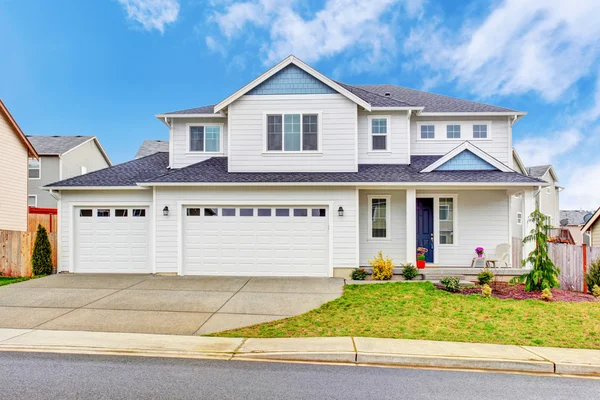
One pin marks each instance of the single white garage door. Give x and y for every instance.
(256, 241)
(112, 239)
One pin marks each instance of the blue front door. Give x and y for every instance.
(425, 226)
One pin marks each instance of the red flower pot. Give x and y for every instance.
(421, 264)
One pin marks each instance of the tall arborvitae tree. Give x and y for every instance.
(41, 259)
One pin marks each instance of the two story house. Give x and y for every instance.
(61, 157)
(296, 174)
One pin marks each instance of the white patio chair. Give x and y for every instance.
(500, 256)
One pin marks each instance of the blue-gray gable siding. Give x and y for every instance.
(466, 161)
(292, 80)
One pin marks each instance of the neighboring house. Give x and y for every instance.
(61, 157)
(592, 228)
(574, 220)
(150, 147)
(15, 151)
(299, 175)
(547, 198)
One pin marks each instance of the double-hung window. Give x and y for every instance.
(35, 169)
(205, 138)
(292, 132)
(379, 128)
(453, 131)
(379, 218)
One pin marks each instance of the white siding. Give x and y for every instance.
(181, 158)
(498, 146)
(483, 220)
(516, 206)
(549, 201)
(99, 197)
(398, 140)
(395, 247)
(87, 155)
(595, 234)
(344, 228)
(338, 134)
(13, 166)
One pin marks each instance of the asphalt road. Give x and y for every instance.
(53, 376)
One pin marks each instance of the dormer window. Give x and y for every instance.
(292, 133)
(204, 138)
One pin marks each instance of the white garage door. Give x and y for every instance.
(256, 241)
(112, 239)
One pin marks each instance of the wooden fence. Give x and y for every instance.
(15, 252)
(570, 259)
(42, 216)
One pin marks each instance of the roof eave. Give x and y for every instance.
(518, 114)
(366, 184)
(217, 115)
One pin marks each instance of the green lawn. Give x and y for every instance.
(5, 280)
(420, 311)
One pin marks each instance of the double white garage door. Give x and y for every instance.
(216, 240)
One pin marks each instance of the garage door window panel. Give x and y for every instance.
(282, 212)
(228, 212)
(246, 212)
(264, 212)
(139, 212)
(86, 213)
(103, 212)
(300, 212)
(211, 212)
(319, 212)
(121, 213)
(193, 212)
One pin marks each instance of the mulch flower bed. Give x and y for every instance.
(503, 290)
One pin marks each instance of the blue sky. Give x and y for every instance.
(105, 68)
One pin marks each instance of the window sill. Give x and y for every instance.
(207, 153)
(379, 152)
(379, 240)
(292, 153)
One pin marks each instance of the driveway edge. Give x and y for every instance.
(345, 350)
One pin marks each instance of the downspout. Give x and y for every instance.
(54, 194)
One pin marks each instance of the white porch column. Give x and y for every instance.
(528, 207)
(411, 226)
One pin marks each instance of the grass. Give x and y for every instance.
(7, 280)
(420, 311)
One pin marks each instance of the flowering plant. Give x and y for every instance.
(421, 250)
(479, 250)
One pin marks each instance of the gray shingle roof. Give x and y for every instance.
(375, 99)
(197, 110)
(149, 147)
(538, 171)
(431, 101)
(574, 217)
(125, 174)
(56, 145)
(214, 170)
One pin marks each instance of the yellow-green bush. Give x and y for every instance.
(383, 268)
(596, 291)
(486, 290)
(546, 295)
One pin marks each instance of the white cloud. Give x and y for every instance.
(521, 46)
(341, 26)
(152, 14)
(541, 150)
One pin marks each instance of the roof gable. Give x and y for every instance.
(306, 68)
(61, 145)
(591, 221)
(466, 161)
(292, 80)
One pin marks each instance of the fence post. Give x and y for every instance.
(584, 267)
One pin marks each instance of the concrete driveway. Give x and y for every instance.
(158, 304)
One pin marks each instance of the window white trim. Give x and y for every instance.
(195, 124)
(388, 215)
(388, 142)
(35, 200)
(268, 152)
(519, 218)
(39, 169)
(466, 131)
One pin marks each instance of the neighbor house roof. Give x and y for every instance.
(17, 129)
(591, 221)
(367, 96)
(56, 145)
(120, 175)
(573, 217)
(538, 171)
(149, 147)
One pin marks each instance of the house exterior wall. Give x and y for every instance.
(50, 167)
(181, 157)
(345, 239)
(516, 206)
(398, 152)
(247, 128)
(87, 197)
(595, 234)
(14, 167)
(87, 155)
(498, 145)
(395, 246)
(549, 200)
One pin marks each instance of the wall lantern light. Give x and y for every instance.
(341, 211)
(166, 211)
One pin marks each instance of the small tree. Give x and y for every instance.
(544, 274)
(41, 260)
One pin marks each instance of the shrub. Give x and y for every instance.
(544, 274)
(546, 295)
(41, 259)
(383, 268)
(486, 291)
(592, 277)
(485, 277)
(359, 274)
(596, 291)
(409, 272)
(451, 283)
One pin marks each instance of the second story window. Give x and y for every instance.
(427, 131)
(379, 128)
(453, 131)
(480, 132)
(35, 169)
(204, 139)
(292, 132)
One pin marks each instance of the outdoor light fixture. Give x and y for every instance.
(341, 211)
(166, 211)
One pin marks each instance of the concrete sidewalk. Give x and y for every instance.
(353, 351)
